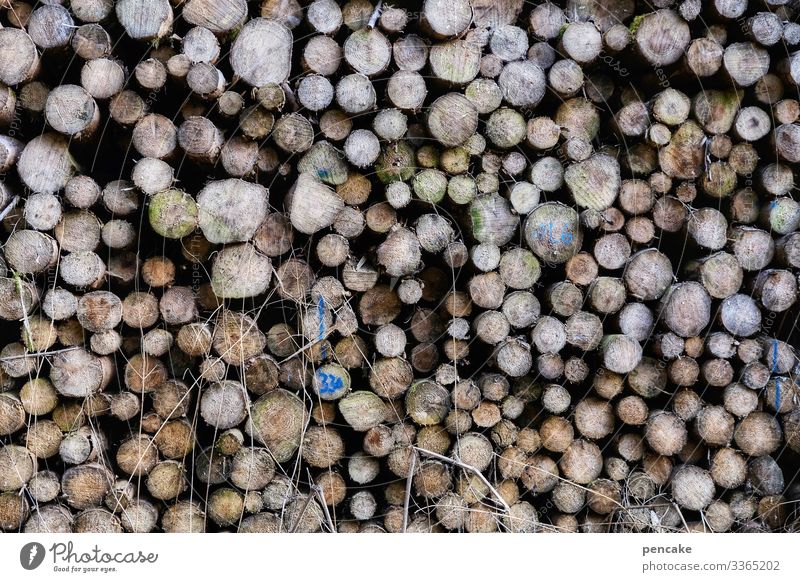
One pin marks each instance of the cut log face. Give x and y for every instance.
(447, 17)
(368, 51)
(71, 110)
(240, 271)
(684, 155)
(145, 19)
(262, 52)
(594, 183)
(523, 83)
(662, 37)
(45, 164)
(553, 232)
(452, 119)
(312, 205)
(218, 16)
(231, 210)
(19, 59)
(456, 62)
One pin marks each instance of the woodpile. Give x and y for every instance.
(446, 265)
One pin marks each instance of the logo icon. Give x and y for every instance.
(31, 555)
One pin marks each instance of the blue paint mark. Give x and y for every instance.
(777, 380)
(773, 204)
(545, 234)
(321, 317)
(323, 173)
(774, 355)
(329, 383)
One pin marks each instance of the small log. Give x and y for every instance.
(72, 111)
(155, 136)
(102, 77)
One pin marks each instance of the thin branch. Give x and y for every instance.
(37, 354)
(9, 208)
(321, 496)
(480, 475)
(407, 499)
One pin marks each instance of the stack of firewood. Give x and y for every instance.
(445, 265)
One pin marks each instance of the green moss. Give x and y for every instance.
(234, 32)
(532, 265)
(636, 23)
(457, 61)
(26, 336)
(29, 345)
(731, 99)
(476, 218)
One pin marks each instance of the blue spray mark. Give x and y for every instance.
(321, 317)
(777, 380)
(329, 383)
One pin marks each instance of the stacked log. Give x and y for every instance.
(453, 265)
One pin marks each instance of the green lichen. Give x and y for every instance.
(396, 163)
(430, 185)
(784, 215)
(173, 214)
(532, 265)
(725, 99)
(461, 189)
